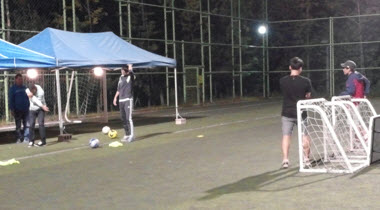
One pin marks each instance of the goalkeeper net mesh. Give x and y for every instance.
(337, 136)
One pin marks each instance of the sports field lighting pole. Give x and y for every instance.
(262, 31)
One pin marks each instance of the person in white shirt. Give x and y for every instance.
(37, 109)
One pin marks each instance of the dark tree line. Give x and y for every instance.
(148, 22)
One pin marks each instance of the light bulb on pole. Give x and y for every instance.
(262, 29)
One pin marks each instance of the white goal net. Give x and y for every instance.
(333, 137)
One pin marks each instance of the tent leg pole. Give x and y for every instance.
(59, 102)
(176, 94)
(6, 79)
(61, 137)
(105, 105)
(178, 119)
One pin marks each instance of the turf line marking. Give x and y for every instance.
(51, 153)
(218, 109)
(180, 131)
(223, 124)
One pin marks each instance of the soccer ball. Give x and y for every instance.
(106, 129)
(112, 134)
(94, 143)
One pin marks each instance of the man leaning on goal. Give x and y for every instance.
(294, 87)
(357, 85)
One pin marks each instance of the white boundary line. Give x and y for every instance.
(219, 109)
(223, 124)
(51, 153)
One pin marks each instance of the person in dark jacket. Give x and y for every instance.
(19, 106)
(125, 94)
(357, 85)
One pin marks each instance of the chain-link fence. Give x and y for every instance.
(85, 96)
(323, 44)
(219, 38)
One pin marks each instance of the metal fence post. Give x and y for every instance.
(332, 86)
(2, 20)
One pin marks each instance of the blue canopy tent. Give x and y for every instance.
(13, 56)
(104, 49)
(73, 49)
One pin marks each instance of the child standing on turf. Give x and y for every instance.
(125, 94)
(294, 88)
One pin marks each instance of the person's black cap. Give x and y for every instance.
(348, 64)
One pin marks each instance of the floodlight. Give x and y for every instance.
(32, 73)
(98, 71)
(262, 29)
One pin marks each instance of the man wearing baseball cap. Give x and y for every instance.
(357, 85)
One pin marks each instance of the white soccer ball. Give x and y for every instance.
(106, 129)
(94, 143)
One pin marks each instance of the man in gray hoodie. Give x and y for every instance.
(37, 109)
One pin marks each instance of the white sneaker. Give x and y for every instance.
(125, 139)
(131, 138)
(285, 164)
(307, 164)
(31, 144)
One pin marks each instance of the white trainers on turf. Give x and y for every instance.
(40, 144)
(307, 164)
(125, 139)
(31, 144)
(131, 138)
(285, 164)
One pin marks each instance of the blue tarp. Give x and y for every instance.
(14, 56)
(73, 49)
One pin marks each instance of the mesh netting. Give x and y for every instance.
(337, 144)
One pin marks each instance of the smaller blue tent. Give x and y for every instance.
(73, 49)
(13, 56)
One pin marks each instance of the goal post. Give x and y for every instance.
(365, 108)
(375, 139)
(336, 143)
(86, 98)
(363, 105)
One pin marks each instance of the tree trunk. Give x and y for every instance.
(89, 14)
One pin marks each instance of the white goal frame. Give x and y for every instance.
(347, 161)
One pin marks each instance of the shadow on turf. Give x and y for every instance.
(366, 170)
(139, 138)
(258, 182)
(93, 127)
